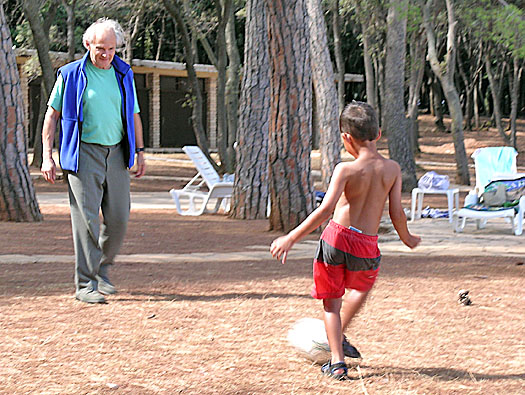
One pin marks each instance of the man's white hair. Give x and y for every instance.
(104, 23)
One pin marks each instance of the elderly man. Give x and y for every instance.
(101, 132)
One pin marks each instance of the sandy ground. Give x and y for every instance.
(214, 318)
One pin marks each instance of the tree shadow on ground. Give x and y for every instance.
(170, 297)
(438, 373)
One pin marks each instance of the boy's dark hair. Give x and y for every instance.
(360, 121)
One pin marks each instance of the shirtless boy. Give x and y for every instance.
(348, 256)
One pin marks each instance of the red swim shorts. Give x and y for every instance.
(345, 259)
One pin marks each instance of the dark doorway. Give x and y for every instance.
(143, 98)
(175, 112)
(35, 91)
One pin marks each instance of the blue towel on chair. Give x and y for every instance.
(491, 160)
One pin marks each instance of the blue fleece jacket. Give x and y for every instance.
(75, 81)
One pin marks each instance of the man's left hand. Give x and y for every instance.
(140, 165)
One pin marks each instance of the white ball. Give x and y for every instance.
(308, 337)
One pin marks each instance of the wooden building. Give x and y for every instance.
(163, 94)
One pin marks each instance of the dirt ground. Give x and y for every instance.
(217, 324)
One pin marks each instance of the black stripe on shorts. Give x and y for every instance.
(333, 256)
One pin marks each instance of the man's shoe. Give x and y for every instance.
(349, 350)
(89, 295)
(105, 287)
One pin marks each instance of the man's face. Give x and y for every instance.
(102, 48)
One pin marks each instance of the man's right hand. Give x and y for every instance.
(49, 170)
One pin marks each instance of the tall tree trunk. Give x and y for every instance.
(338, 54)
(446, 78)
(395, 125)
(475, 103)
(161, 36)
(196, 32)
(291, 191)
(174, 8)
(222, 60)
(232, 88)
(379, 65)
(514, 80)
(17, 196)
(194, 40)
(325, 93)
(469, 73)
(134, 29)
(495, 91)
(436, 99)
(250, 193)
(40, 29)
(370, 80)
(417, 71)
(70, 10)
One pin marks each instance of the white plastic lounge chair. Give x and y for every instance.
(204, 187)
(493, 163)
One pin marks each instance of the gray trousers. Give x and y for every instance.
(101, 184)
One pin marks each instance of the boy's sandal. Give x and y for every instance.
(330, 370)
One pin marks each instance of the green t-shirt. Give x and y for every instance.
(102, 105)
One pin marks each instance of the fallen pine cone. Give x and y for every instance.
(463, 297)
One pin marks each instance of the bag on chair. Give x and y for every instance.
(433, 180)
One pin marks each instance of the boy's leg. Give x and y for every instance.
(332, 322)
(354, 299)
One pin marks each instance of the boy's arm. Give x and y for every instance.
(397, 215)
(280, 246)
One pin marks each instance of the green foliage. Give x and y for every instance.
(414, 18)
(147, 42)
(22, 36)
(497, 24)
(372, 16)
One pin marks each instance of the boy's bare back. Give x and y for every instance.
(358, 190)
(368, 183)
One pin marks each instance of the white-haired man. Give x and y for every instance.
(94, 99)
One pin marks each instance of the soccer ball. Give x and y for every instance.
(308, 337)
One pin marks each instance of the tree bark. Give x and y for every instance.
(338, 54)
(417, 71)
(395, 123)
(325, 93)
(291, 191)
(222, 60)
(174, 9)
(495, 91)
(475, 100)
(469, 74)
(40, 29)
(70, 10)
(219, 59)
(446, 78)
(250, 192)
(371, 81)
(134, 29)
(514, 81)
(435, 101)
(161, 37)
(196, 32)
(232, 89)
(17, 196)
